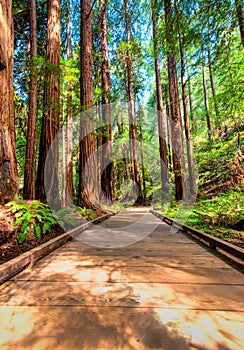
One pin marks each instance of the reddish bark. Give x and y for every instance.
(107, 175)
(50, 119)
(8, 163)
(30, 155)
(87, 191)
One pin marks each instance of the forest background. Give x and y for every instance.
(154, 91)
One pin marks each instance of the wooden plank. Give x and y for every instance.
(63, 328)
(141, 244)
(133, 274)
(59, 260)
(184, 296)
(170, 251)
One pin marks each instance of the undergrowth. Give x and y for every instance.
(220, 166)
(73, 216)
(221, 216)
(31, 218)
(219, 208)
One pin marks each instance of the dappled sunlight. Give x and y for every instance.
(205, 329)
(88, 298)
(163, 295)
(20, 322)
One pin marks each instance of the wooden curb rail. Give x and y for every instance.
(29, 258)
(214, 242)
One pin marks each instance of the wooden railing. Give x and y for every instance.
(212, 241)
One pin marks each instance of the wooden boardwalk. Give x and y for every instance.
(164, 292)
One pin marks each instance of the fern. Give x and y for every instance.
(24, 231)
(35, 215)
(87, 213)
(37, 230)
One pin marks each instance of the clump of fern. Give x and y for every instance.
(86, 213)
(32, 216)
(73, 216)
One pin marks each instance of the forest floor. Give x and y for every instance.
(205, 222)
(9, 245)
(219, 206)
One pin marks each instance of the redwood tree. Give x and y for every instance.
(107, 175)
(50, 118)
(206, 103)
(176, 125)
(87, 190)
(131, 109)
(161, 123)
(181, 36)
(30, 155)
(67, 132)
(8, 164)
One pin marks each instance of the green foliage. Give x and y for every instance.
(87, 213)
(224, 210)
(216, 216)
(31, 216)
(73, 216)
(219, 164)
(66, 218)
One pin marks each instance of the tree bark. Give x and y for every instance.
(69, 146)
(131, 111)
(8, 164)
(205, 92)
(192, 179)
(169, 138)
(176, 125)
(87, 190)
(142, 163)
(210, 68)
(30, 155)
(50, 118)
(107, 164)
(240, 17)
(161, 124)
(191, 104)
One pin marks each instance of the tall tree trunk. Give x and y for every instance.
(142, 163)
(161, 124)
(176, 126)
(210, 68)
(29, 191)
(240, 17)
(69, 145)
(191, 103)
(50, 118)
(87, 191)
(123, 172)
(131, 111)
(169, 138)
(192, 180)
(8, 164)
(99, 131)
(64, 158)
(107, 166)
(205, 92)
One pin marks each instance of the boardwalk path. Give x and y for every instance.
(164, 292)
